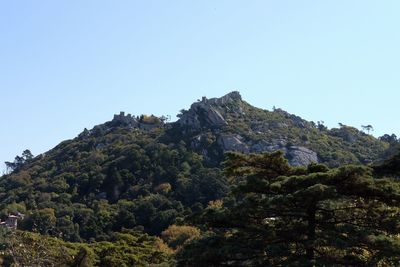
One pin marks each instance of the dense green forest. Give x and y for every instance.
(278, 215)
(135, 191)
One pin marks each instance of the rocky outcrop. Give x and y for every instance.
(215, 113)
(201, 115)
(233, 143)
(297, 155)
(213, 117)
(264, 146)
(207, 112)
(301, 156)
(226, 99)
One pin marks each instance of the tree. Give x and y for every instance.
(84, 258)
(42, 221)
(176, 236)
(367, 128)
(27, 155)
(321, 126)
(19, 161)
(165, 119)
(390, 167)
(286, 216)
(29, 249)
(391, 139)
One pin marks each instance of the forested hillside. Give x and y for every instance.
(146, 174)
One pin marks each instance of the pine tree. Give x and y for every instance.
(286, 216)
(390, 167)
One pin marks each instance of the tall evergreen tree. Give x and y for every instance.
(390, 167)
(286, 216)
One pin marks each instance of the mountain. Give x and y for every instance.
(144, 173)
(214, 126)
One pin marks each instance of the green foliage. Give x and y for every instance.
(28, 249)
(42, 221)
(149, 119)
(176, 236)
(128, 248)
(106, 180)
(19, 161)
(389, 167)
(285, 216)
(118, 176)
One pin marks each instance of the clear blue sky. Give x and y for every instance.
(67, 65)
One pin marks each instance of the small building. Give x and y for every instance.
(11, 222)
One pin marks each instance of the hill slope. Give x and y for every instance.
(229, 123)
(144, 173)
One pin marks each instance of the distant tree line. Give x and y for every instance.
(19, 161)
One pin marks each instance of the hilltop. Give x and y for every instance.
(214, 126)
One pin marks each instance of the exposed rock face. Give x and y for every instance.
(233, 143)
(215, 113)
(201, 115)
(190, 119)
(297, 155)
(226, 99)
(301, 156)
(264, 146)
(213, 117)
(206, 113)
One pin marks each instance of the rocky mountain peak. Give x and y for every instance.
(209, 112)
(226, 99)
(228, 123)
(229, 98)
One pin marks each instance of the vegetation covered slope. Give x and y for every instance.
(99, 183)
(128, 248)
(144, 174)
(280, 215)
